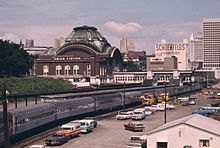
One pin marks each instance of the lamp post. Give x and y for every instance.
(5, 117)
(165, 109)
(124, 98)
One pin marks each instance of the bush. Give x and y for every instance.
(22, 85)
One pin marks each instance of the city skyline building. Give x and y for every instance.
(57, 42)
(196, 47)
(177, 49)
(29, 43)
(126, 45)
(211, 35)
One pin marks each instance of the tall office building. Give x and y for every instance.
(196, 47)
(126, 45)
(57, 42)
(211, 35)
(29, 43)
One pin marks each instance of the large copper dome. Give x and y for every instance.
(89, 36)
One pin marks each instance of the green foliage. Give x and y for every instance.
(14, 60)
(22, 85)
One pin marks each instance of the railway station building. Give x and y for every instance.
(85, 56)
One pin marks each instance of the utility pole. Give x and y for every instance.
(5, 118)
(165, 109)
(124, 98)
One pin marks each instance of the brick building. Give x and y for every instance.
(85, 56)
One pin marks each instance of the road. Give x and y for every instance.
(110, 132)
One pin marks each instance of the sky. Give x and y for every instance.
(146, 22)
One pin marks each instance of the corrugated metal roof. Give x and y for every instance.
(194, 120)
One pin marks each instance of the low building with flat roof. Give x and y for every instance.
(193, 131)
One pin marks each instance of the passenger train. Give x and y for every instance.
(26, 118)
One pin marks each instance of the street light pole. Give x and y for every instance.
(165, 109)
(124, 98)
(5, 118)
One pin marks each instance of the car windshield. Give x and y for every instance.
(84, 123)
(139, 124)
(56, 135)
(138, 113)
(122, 113)
(66, 128)
(135, 138)
(134, 144)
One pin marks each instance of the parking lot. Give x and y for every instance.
(110, 132)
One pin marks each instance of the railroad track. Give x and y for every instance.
(28, 141)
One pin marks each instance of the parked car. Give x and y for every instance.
(184, 103)
(133, 145)
(56, 139)
(142, 140)
(134, 126)
(160, 107)
(70, 130)
(138, 114)
(94, 121)
(168, 106)
(147, 112)
(124, 115)
(211, 93)
(192, 100)
(171, 107)
(37, 146)
(206, 93)
(203, 111)
(86, 125)
(153, 108)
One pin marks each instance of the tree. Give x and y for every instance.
(14, 60)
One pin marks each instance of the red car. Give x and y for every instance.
(134, 126)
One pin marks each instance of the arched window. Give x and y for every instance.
(67, 70)
(58, 70)
(45, 70)
(75, 70)
(102, 70)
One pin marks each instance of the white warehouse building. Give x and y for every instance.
(179, 50)
(194, 131)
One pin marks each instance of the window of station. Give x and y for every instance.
(58, 70)
(75, 70)
(88, 69)
(45, 70)
(67, 70)
(102, 71)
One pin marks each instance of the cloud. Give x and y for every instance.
(131, 27)
(10, 36)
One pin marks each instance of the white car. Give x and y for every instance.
(147, 112)
(138, 114)
(37, 146)
(134, 145)
(124, 115)
(153, 108)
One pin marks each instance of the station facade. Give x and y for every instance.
(85, 56)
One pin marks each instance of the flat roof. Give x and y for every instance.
(211, 20)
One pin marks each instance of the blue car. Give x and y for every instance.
(203, 111)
